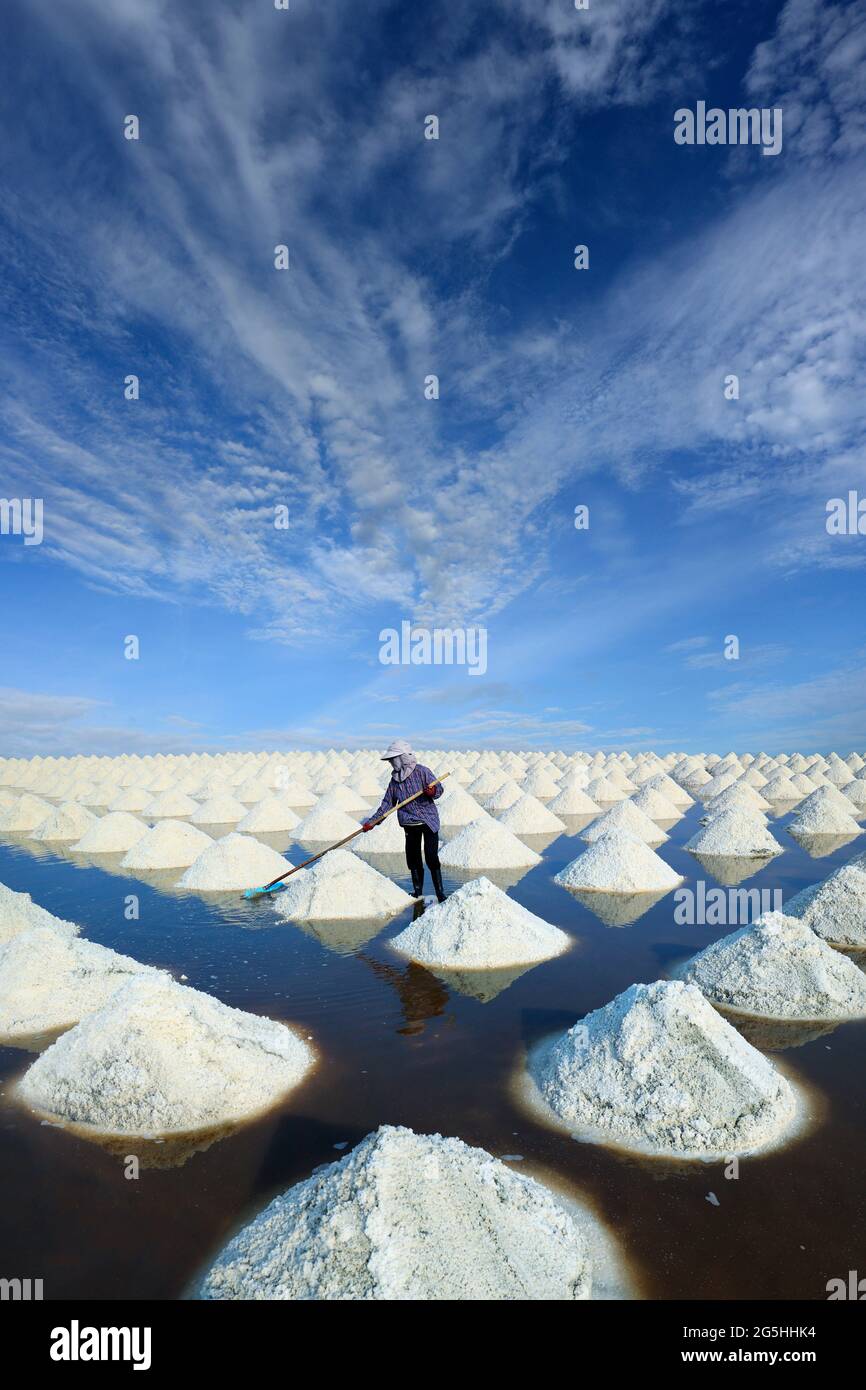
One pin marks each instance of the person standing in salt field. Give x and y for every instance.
(420, 820)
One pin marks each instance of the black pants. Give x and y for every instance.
(414, 834)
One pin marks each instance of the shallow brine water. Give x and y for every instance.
(397, 1045)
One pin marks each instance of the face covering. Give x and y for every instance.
(404, 764)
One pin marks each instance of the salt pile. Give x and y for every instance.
(159, 1058)
(836, 908)
(655, 805)
(49, 981)
(340, 885)
(735, 833)
(573, 801)
(25, 814)
(507, 795)
(269, 816)
(232, 864)
(779, 968)
(172, 844)
(342, 799)
(408, 1217)
(669, 788)
(625, 816)
(222, 809)
(479, 928)
(388, 837)
(169, 804)
(618, 863)
(19, 913)
(325, 825)
(457, 806)
(825, 813)
(485, 844)
(528, 816)
(66, 823)
(111, 834)
(658, 1070)
(603, 789)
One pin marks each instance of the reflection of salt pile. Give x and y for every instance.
(19, 913)
(111, 834)
(160, 1058)
(340, 885)
(825, 812)
(479, 928)
(660, 1071)
(779, 968)
(268, 816)
(618, 863)
(408, 1217)
(836, 907)
(326, 824)
(49, 981)
(66, 823)
(625, 816)
(233, 863)
(485, 844)
(172, 844)
(529, 816)
(736, 833)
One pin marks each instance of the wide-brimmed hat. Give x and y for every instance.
(394, 749)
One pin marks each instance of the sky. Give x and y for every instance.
(299, 394)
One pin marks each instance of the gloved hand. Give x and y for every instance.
(368, 825)
(431, 790)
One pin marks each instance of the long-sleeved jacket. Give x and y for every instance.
(420, 812)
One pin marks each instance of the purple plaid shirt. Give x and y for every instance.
(421, 812)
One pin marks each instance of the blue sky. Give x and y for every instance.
(408, 257)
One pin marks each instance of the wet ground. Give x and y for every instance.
(399, 1045)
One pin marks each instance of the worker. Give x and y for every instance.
(420, 819)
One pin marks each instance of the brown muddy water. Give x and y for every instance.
(399, 1046)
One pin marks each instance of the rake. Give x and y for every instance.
(274, 883)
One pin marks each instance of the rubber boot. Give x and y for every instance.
(417, 883)
(436, 875)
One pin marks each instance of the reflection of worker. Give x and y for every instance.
(420, 820)
(421, 995)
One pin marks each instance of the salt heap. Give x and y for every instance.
(736, 834)
(573, 801)
(325, 824)
(49, 981)
(222, 809)
(528, 816)
(172, 844)
(232, 864)
(779, 968)
(604, 790)
(388, 837)
(340, 885)
(618, 862)
(406, 1217)
(479, 928)
(169, 804)
(268, 817)
(159, 1058)
(625, 816)
(825, 813)
(485, 844)
(19, 913)
(111, 834)
(655, 805)
(457, 806)
(836, 908)
(658, 1070)
(67, 822)
(25, 814)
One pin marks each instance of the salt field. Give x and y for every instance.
(280, 1050)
